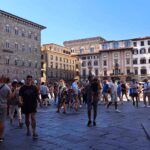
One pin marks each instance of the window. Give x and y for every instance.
(7, 28)
(84, 72)
(105, 46)
(149, 60)
(60, 59)
(128, 71)
(83, 64)
(36, 37)
(30, 49)
(105, 72)
(148, 42)
(51, 57)
(135, 51)
(51, 64)
(149, 50)
(142, 51)
(36, 64)
(115, 61)
(95, 63)
(7, 45)
(23, 33)
(142, 61)
(143, 71)
(23, 47)
(135, 61)
(16, 46)
(35, 49)
(81, 50)
(30, 63)
(136, 71)
(29, 35)
(56, 65)
(128, 61)
(16, 62)
(96, 72)
(115, 44)
(89, 63)
(16, 31)
(105, 62)
(92, 50)
(7, 61)
(56, 58)
(142, 43)
(134, 44)
(127, 44)
(83, 58)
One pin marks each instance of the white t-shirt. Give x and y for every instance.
(113, 87)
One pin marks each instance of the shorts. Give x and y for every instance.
(3, 114)
(113, 97)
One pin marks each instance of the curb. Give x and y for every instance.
(146, 128)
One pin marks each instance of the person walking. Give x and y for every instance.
(5, 93)
(92, 90)
(14, 103)
(113, 94)
(28, 96)
(146, 93)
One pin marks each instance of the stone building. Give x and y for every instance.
(57, 63)
(20, 42)
(84, 46)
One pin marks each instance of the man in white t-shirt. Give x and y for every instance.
(113, 94)
(4, 95)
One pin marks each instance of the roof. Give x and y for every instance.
(141, 38)
(84, 40)
(21, 19)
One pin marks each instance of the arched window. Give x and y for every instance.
(142, 51)
(83, 64)
(95, 63)
(149, 50)
(135, 51)
(143, 61)
(143, 71)
(81, 50)
(89, 63)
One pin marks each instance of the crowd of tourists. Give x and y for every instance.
(24, 97)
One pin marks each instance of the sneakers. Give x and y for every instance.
(35, 136)
(1, 140)
(89, 123)
(117, 110)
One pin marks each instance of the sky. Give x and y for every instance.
(77, 19)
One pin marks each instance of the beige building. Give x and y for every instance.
(84, 46)
(57, 63)
(108, 59)
(20, 42)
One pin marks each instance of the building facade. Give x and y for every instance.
(20, 47)
(57, 63)
(84, 46)
(141, 57)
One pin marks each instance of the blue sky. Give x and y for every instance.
(75, 19)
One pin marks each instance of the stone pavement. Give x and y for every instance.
(114, 131)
